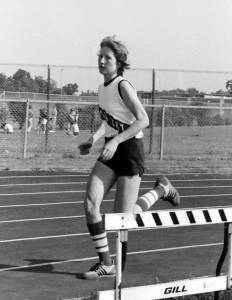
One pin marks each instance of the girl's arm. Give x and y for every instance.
(132, 101)
(98, 133)
(85, 147)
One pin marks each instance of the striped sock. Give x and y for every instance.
(146, 201)
(98, 235)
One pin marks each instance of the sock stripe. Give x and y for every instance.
(99, 239)
(98, 236)
(101, 244)
(102, 249)
(144, 200)
(148, 199)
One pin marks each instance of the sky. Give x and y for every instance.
(160, 34)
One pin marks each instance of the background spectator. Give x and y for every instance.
(73, 127)
(30, 119)
(8, 128)
(43, 118)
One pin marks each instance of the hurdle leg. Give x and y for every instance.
(224, 250)
(124, 240)
(118, 278)
(224, 253)
(229, 279)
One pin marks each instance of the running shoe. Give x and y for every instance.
(170, 192)
(99, 270)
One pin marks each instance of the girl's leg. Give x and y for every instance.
(100, 181)
(163, 189)
(127, 193)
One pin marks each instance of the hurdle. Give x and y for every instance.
(123, 222)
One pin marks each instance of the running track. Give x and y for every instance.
(45, 244)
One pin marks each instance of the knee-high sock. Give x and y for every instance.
(99, 238)
(145, 201)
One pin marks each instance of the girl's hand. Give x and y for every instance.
(109, 150)
(85, 147)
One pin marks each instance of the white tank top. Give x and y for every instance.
(113, 111)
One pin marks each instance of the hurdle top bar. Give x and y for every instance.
(168, 218)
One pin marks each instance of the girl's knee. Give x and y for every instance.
(92, 207)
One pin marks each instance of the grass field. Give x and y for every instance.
(192, 143)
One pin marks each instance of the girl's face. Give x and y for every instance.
(107, 62)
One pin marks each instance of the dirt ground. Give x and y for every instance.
(85, 163)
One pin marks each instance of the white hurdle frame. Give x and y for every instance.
(122, 222)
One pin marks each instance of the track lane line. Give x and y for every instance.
(96, 257)
(86, 175)
(41, 219)
(43, 183)
(44, 176)
(82, 201)
(41, 204)
(85, 182)
(43, 237)
(112, 190)
(83, 216)
(66, 192)
(75, 183)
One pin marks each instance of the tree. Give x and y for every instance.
(23, 81)
(9, 85)
(70, 88)
(3, 80)
(40, 84)
(192, 92)
(220, 93)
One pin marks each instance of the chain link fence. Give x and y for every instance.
(56, 128)
(49, 110)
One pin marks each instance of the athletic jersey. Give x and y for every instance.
(30, 114)
(113, 111)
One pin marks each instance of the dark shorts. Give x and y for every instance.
(128, 159)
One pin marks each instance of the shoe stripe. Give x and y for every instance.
(101, 272)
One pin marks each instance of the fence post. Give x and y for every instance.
(162, 133)
(152, 111)
(48, 98)
(25, 131)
